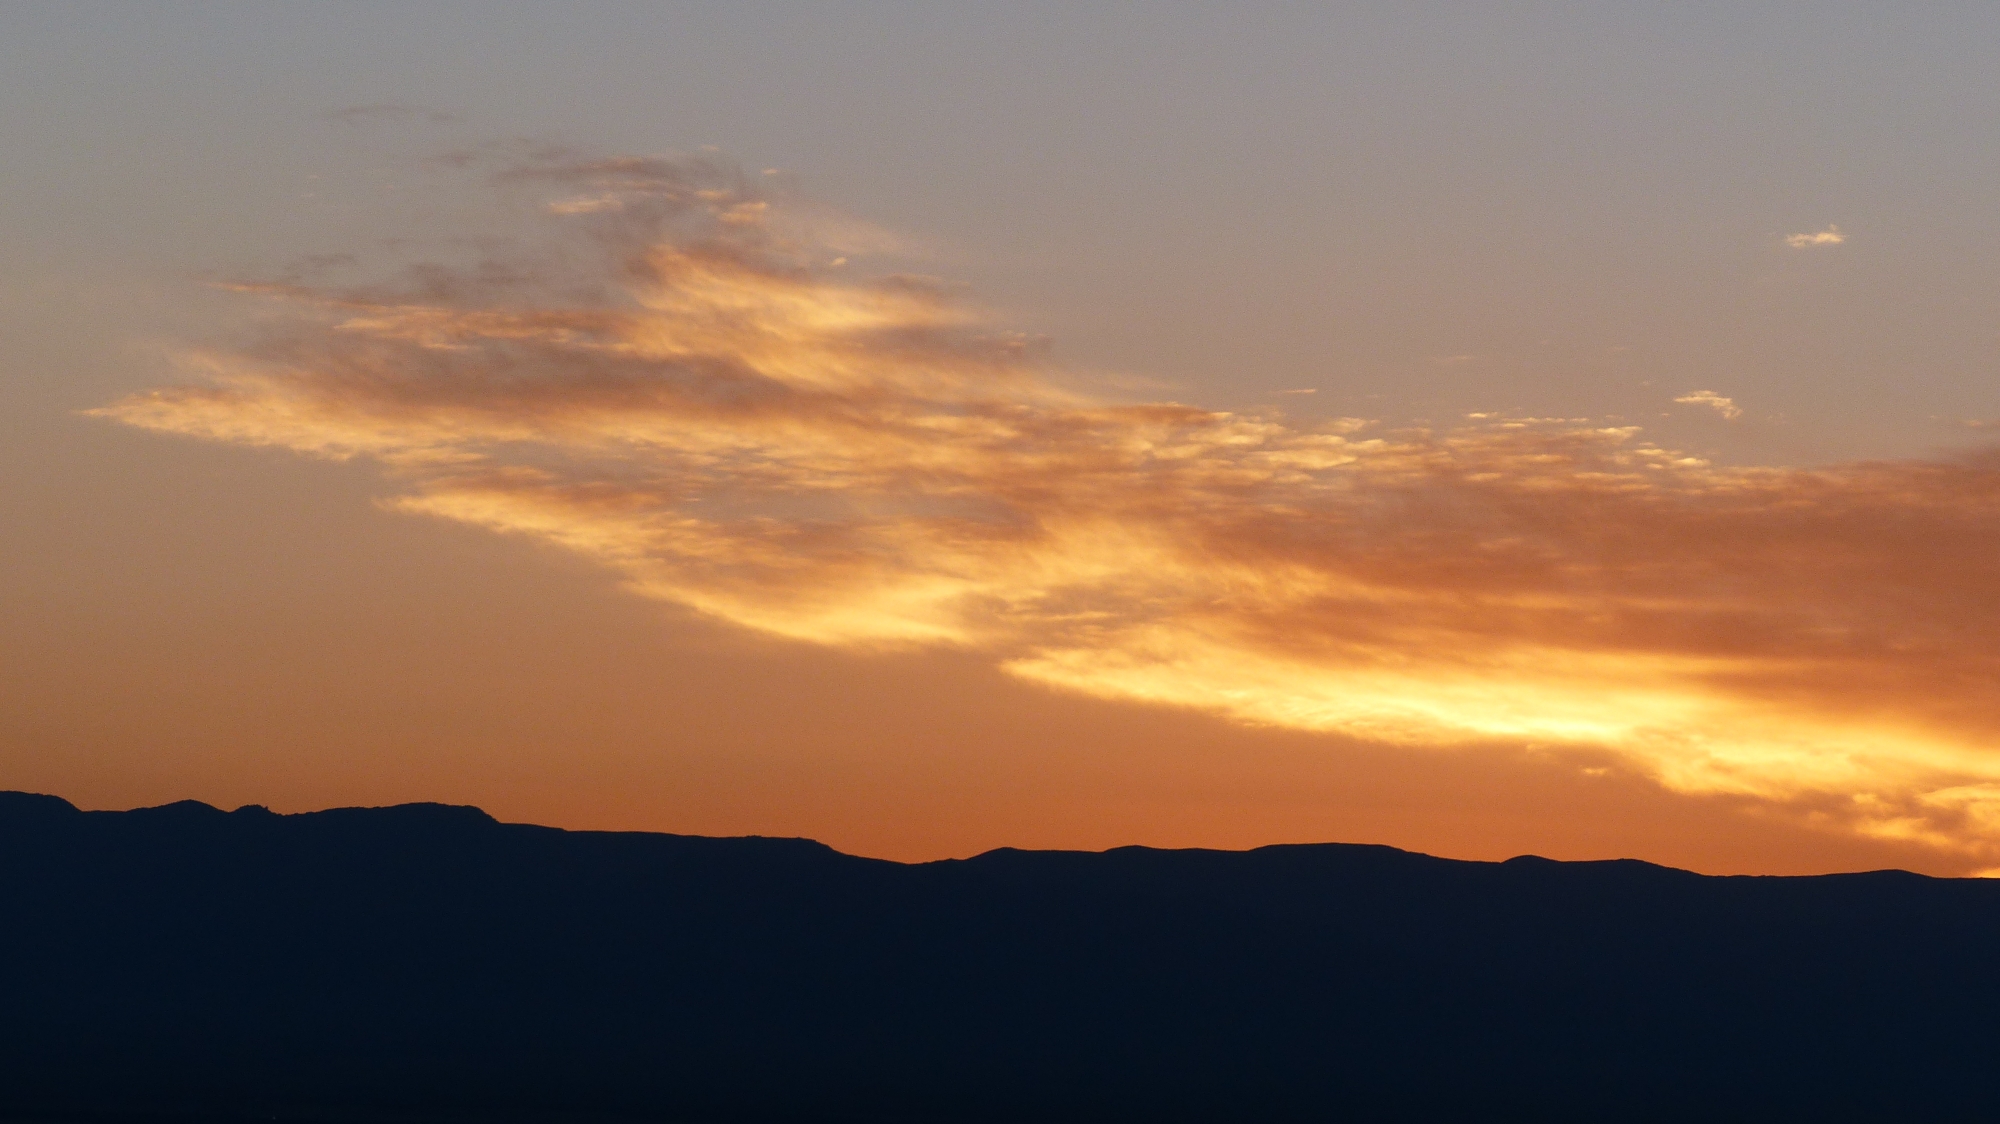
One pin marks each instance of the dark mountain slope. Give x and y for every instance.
(425, 961)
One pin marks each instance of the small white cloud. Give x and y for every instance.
(1831, 236)
(1727, 407)
(586, 205)
(1302, 390)
(748, 213)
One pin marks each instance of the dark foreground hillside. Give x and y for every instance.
(425, 962)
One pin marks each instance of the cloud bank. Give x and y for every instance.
(684, 387)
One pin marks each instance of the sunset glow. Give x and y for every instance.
(867, 462)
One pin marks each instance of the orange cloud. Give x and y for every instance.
(735, 427)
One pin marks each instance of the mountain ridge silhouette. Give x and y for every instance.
(428, 962)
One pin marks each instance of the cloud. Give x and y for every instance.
(865, 462)
(1831, 236)
(1725, 406)
(585, 204)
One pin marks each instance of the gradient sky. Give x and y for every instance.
(1563, 429)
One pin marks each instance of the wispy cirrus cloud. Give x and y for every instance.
(696, 398)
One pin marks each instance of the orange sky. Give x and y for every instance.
(1481, 430)
(1273, 629)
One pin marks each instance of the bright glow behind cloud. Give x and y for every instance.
(716, 411)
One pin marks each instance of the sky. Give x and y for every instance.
(927, 428)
